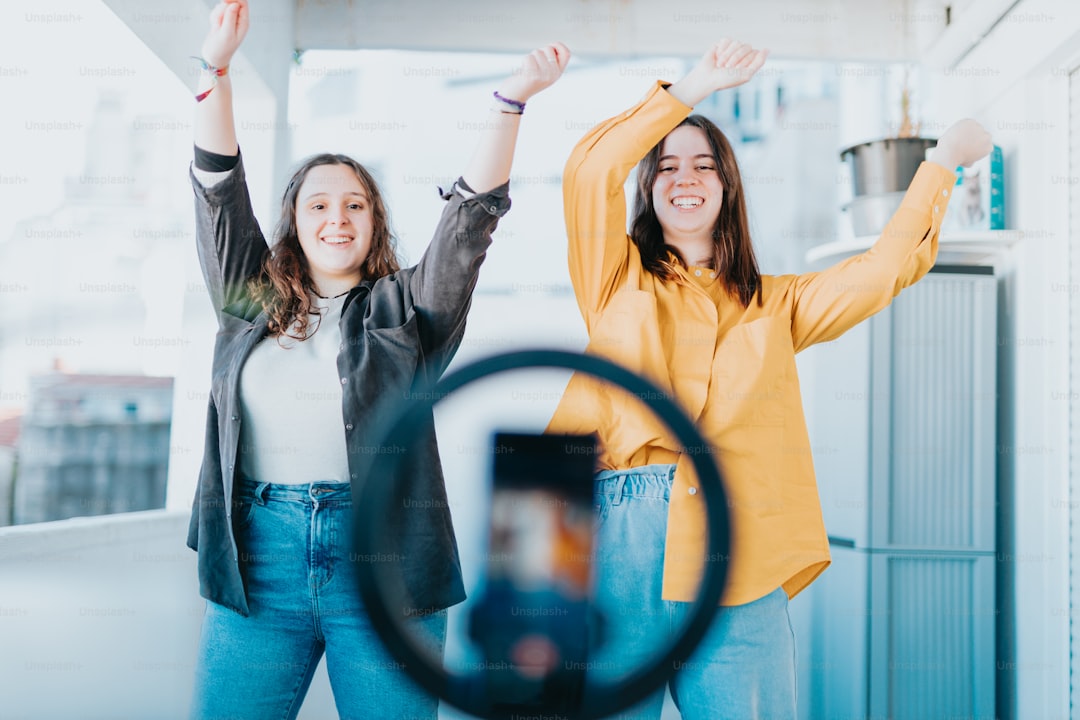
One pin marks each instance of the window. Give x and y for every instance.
(95, 215)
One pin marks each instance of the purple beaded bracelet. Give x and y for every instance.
(512, 103)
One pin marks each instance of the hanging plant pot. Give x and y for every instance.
(887, 165)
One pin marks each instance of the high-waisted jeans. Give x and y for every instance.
(295, 544)
(744, 668)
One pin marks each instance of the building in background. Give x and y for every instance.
(10, 421)
(92, 445)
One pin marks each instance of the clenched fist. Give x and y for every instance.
(228, 26)
(538, 70)
(965, 142)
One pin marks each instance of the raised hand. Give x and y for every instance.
(726, 64)
(538, 70)
(214, 127)
(228, 26)
(963, 143)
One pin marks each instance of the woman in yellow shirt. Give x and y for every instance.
(681, 301)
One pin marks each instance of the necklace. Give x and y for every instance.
(323, 297)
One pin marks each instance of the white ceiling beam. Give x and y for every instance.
(968, 25)
(848, 30)
(174, 30)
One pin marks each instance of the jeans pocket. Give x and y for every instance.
(243, 513)
(601, 511)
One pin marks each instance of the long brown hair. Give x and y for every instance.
(284, 288)
(733, 252)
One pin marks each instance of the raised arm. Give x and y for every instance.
(215, 129)
(443, 280)
(230, 243)
(594, 203)
(828, 303)
(493, 156)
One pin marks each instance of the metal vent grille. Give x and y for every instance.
(941, 454)
(932, 638)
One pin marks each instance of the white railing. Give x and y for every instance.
(100, 617)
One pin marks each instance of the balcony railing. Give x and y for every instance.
(100, 618)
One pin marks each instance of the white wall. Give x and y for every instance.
(1015, 83)
(99, 618)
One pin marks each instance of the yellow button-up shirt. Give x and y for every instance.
(731, 368)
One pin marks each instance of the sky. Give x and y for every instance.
(50, 95)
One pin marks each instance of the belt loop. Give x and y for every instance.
(619, 483)
(260, 492)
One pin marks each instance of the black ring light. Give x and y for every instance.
(375, 498)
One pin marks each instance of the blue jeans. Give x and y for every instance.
(744, 668)
(302, 589)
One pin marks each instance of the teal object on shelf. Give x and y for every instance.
(978, 201)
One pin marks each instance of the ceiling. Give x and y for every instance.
(821, 29)
(933, 32)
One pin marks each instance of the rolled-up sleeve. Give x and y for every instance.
(446, 275)
(594, 201)
(230, 243)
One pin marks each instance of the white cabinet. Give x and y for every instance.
(902, 423)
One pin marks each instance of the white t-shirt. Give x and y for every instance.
(292, 429)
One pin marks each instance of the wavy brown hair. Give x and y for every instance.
(284, 287)
(733, 252)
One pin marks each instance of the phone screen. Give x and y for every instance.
(535, 622)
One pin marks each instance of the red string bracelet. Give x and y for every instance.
(215, 72)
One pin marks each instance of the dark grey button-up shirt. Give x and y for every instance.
(398, 332)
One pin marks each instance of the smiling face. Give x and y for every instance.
(334, 225)
(689, 202)
(687, 194)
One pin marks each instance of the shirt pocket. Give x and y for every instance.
(754, 380)
(395, 352)
(622, 329)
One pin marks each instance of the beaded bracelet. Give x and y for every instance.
(215, 73)
(507, 105)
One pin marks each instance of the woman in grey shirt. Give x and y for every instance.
(314, 336)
